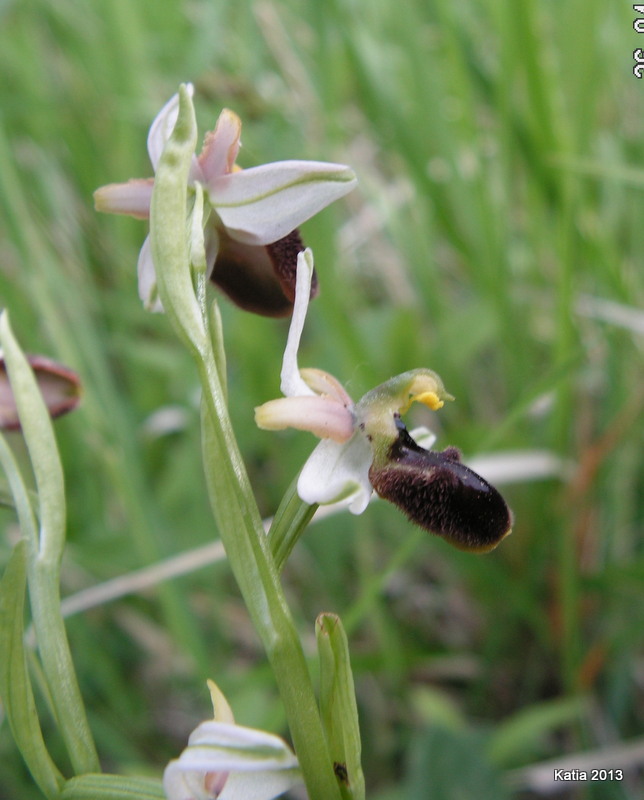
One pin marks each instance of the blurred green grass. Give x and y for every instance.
(499, 148)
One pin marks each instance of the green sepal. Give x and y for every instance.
(15, 686)
(111, 787)
(338, 706)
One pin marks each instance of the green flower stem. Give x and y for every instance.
(45, 549)
(289, 523)
(231, 496)
(249, 555)
(216, 331)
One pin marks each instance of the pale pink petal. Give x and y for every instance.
(262, 204)
(221, 147)
(338, 472)
(132, 198)
(325, 384)
(323, 416)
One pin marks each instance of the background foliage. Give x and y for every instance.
(495, 237)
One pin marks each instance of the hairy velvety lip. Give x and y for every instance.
(260, 279)
(442, 495)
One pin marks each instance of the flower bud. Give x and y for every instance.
(60, 388)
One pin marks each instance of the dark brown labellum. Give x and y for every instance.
(439, 493)
(260, 278)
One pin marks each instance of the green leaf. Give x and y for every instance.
(111, 787)
(436, 707)
(520, 736)
(45, 549)
(446, 765)
(15, 687)
(338, 705)
(39, 436)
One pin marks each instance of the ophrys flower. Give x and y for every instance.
(251, 215)
(366, 446)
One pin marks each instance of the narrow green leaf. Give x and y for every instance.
(15, 687)
(519, 736)
(338, 706)
(41, 443)
(45, 549)
(111, 787)
(445, 764)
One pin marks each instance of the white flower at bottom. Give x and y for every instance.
(224, 761)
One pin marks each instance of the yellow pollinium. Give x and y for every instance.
(426, 390)
(429, 399)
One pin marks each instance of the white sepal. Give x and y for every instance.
(335, 472)
(243, 763)
(263, 204)
(163, 125)
(148, 279)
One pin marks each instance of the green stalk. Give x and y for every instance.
(231, 495)
(289, 523)
(45, 549)
(247, 550)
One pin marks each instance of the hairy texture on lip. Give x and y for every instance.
(260, 278)
(283, 254)
(442, 495)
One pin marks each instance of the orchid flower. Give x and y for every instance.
(59, 385)
(366, 446)
(251, 237)
(225, 761)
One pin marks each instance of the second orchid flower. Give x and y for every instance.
(366, 446)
